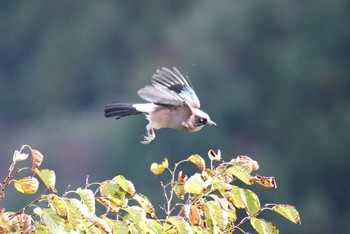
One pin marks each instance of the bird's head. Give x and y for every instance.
(201, 119)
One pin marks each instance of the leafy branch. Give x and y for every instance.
(205, 202)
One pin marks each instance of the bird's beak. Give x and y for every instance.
(212, 123)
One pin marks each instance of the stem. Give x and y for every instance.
(87, 181)
(7, 181)
(29, 205)
(169, 197)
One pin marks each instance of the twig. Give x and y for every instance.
(7, 181)
(29, 205)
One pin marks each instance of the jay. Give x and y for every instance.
(172, 104)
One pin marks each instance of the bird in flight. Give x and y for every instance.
(172, 104)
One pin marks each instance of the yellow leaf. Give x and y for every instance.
(245, 160)
(27, 185)
(48, 177)
(198, 161)
(194, 184)
(242, 173)
(157, 169)
(236, 197)
(125, 184)
(217, 214)
(180, 224)
(179, 189)
(144, 202)
(250, 200)
(88, 198)
(263, 227)
(5, 223)
(288, 212)
(114, 193)
(58, 205)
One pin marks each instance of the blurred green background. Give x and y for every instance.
(274, 75)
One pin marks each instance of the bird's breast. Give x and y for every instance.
(169, 117)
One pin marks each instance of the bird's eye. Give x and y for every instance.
(202, 121)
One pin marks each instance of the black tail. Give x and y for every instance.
(120, 109)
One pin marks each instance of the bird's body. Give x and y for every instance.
(173, 104)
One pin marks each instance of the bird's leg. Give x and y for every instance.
(150, 135)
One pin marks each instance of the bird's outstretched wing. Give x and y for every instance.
(170, 87)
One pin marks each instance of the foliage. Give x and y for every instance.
(208, 201)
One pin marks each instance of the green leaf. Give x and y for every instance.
(218, 215)
(158, 169)
(232, 216)
(118, 226)
(144, 202)
(242, 173)
(251, 201)
(197, 160)
(40, 229)
(125, 184)
(244, 198)
(48, 177)
(263, 227)
(138, 216)
(180, 224)
(156, 225)
(137, 213)
(199, 230)
(77, 212)
(194, 184)
(88, 198)
(236, 197)
(147, 227)
(288, 212)
(223, 187)
(53, 222)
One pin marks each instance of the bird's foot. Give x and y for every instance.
(149, 137)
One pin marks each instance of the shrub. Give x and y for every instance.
(207, 201)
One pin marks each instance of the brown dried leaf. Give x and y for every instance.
(181, 177)
(102, 224)
(108, 204)
(268, 182)
(215, 156)
(37, 159)
(192, 214)
(245, 160)
(24, 222)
